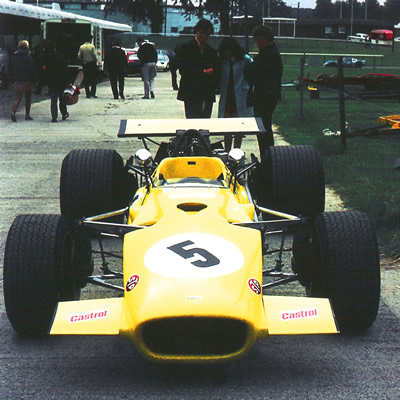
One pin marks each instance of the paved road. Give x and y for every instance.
(304, 367)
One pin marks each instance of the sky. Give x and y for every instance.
(303, 3)
(310, 3)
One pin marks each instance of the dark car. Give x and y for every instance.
(347, 62)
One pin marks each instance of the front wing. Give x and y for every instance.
(282, 316)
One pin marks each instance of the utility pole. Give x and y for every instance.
(351, 18)
(246, 28)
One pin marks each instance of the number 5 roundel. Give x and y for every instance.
(193, 255)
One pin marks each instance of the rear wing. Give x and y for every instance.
(170, 127)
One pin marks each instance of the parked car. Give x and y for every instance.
(347, 62)
(162, 63)
(171, 54)
(133, 61)
(359, 37)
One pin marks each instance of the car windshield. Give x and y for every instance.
(190, 182)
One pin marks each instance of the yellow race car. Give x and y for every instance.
(198, 228)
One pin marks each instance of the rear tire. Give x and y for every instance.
(346, 267)
(38, 271)
(93, 182)
(291, 179)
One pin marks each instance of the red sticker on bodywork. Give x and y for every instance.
(87, 316)
(299, 314)
(254, 285)
(132, 282)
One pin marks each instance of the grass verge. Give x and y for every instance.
(362, 174)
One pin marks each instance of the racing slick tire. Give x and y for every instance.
(291, 179)
(38, 271)
(346, 267)
(93, 182)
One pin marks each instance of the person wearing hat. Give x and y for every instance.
(147, 55)
(88, 59)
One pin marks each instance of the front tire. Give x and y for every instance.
(346, 267)
(93, 182)
(291, 179)
(38, 271)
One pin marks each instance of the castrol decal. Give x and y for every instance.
(132, 282)
(88, 316)
(299, 314)
(254, 285)
(194, 255)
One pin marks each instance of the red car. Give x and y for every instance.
(133, 61)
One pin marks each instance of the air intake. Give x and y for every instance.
(192, 207)
(195, 336)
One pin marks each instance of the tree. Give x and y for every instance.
(324, 9)
(392, 11)
(221, 9)
(139, 11)
(224, 10)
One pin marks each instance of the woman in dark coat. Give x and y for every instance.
(233, 87)
(24, 77)
(199, 68)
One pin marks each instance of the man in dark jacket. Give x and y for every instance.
(147, 55)
(199, 67)
(265, 74)
(23, 75)
(56, 68)
(116, 64)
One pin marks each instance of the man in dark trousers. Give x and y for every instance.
(199, 67)
(116, 65)
(147, 55)
(56, 69)
(265, 75)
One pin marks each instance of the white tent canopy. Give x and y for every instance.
(41, 13)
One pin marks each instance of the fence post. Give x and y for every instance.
(301, 109)
(343, 132)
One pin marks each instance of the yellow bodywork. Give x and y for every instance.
(393, 120)
(193, 280)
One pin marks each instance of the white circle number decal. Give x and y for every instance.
(193, 255)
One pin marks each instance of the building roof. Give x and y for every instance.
(41, 13)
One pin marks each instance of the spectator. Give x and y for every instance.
(87, 57)
(147, 56)
(173, 67)
(38, 54)
(265, 74)
(24, 77)
(56, 67)
(116, 64)
(199, 67)
(233, 86)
